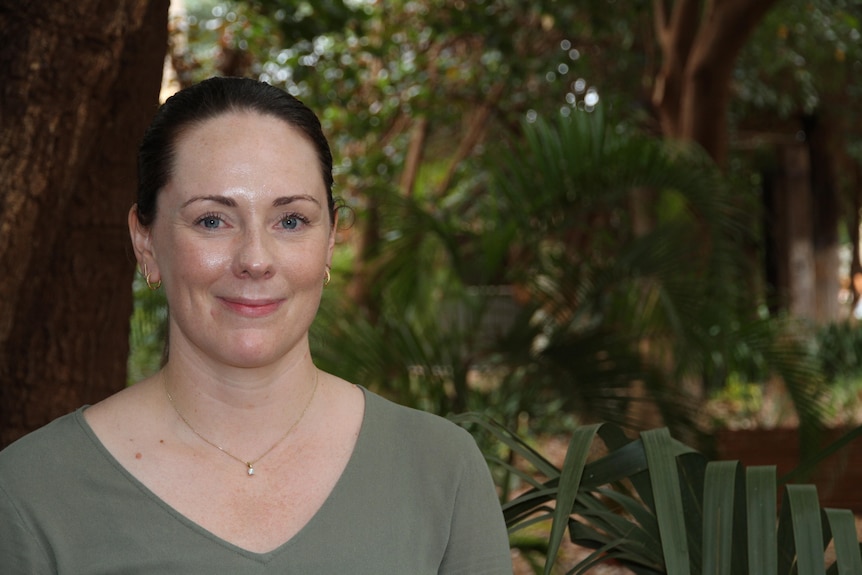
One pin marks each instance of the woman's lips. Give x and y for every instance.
(252, 307)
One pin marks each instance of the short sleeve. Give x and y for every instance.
(478, 541)
(20, 550)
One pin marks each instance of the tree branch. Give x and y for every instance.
(418, 136)
(478, 124)
(676, 34)
(726, 28)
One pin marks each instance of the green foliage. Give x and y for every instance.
(803, 55)
(839, 349)
(148, 331)
(508, 296)
(601, 290)
(430, 338)
(581, 292)
(510, 275)
(656, 506)
(737, 401)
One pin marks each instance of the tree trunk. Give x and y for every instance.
(699, 47)
(854, 221)
(81, 81)
(793, 232)
(826, 211)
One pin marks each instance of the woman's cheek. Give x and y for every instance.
(212, 260)
(191, 259)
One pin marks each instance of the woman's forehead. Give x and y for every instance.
(245, 151)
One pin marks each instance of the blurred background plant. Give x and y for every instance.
(148, 330)
(650, 505)
(518, 238)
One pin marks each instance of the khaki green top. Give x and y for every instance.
(415, 498)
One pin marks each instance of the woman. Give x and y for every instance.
(240, 456)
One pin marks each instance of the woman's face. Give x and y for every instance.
(241, 240)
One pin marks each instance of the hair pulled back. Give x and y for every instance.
(211, 98)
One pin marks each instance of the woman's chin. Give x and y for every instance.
(254, 353)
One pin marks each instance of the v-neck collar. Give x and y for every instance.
(327, 509)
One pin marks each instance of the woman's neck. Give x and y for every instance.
(240, 409)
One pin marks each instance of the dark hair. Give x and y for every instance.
(209, 99)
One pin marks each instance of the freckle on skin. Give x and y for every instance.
(138, 456)
(161, 441)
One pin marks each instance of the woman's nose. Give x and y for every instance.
(254, 257)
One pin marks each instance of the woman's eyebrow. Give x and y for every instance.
(285, 200)
(231, 203)
(224, 200)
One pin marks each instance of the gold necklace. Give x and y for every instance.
(251, 463)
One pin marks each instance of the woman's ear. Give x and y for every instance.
(142, 243)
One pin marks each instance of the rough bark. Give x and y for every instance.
(81, 80)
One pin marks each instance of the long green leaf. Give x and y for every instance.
(618, 443)
(595, 558)
(546, 513)
(510, 440)
(847, 554)
(525, 476)
(570, 481)
(761, 498)
(609, 524)
(692, 477)
(718, 517)
(786, 546)
(524, 506)
(807, 528)
(619, 464)
(633, 551)
(666, 490)
(640, 514)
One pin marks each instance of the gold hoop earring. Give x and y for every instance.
(150, 284)
(327, 277)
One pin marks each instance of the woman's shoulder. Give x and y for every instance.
(59, 439)
(414, 428)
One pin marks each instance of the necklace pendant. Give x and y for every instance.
(250, 469)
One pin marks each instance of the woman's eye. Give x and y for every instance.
(291, 222)
(210, 222)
